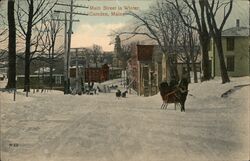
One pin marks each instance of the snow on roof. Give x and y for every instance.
(236, 31)
(44, 70)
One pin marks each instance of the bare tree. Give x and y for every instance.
(212, 8)
(96, 53)
(3, 29)
(162, 25)
(12, 45)
(29, 14)
(3, 34)
(197, 8)
(52, 29)
(93, 55)
(189, 49)
(126, 53)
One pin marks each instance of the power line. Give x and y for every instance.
(67, 40)
(75, 13)
(65, 20)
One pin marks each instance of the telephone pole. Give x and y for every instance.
(80, 72)
(67, 39)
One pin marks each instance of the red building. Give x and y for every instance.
(98, 73)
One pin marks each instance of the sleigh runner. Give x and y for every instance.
(171, 97)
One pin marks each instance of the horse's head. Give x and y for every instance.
(163, 86)
(184, 83)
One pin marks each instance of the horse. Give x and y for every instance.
(175, 93)
(124, 94)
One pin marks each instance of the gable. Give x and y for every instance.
(145, 52)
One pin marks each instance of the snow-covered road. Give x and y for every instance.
(56, 127)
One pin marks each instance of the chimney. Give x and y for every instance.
(238, 23)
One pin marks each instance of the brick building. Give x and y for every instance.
(98, 73)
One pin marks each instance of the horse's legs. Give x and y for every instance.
(166, 105)
(162, 106)
(177, 104)
(182, 107)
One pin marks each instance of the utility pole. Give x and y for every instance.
(80, 73)
(67, 40)
(66, 55)
(77, 74)
(66, 67)
(69, 44)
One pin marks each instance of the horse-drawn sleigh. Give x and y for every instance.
(174, 93)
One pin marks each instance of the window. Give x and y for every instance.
(230, 63)
(230, 44)
(58, 80)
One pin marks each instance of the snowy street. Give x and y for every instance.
(55, 127)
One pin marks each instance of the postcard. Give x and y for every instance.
(124, 80)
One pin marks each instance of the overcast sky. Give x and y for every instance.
(95, 29)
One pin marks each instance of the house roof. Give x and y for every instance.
(236, 31)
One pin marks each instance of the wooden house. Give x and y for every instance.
(145, 69)
(236, 47)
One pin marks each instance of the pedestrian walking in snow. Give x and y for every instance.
(118, 94)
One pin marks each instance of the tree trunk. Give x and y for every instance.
(191, 50)
(188, 68)
(175, 69)
(194, 69)
(51, 66)
(27, 48)
(224, 74)
(171, 69)
(216, 34)
(205, 57)
(12, 46)
(27, 72)
(51, 75)
(193, 65)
